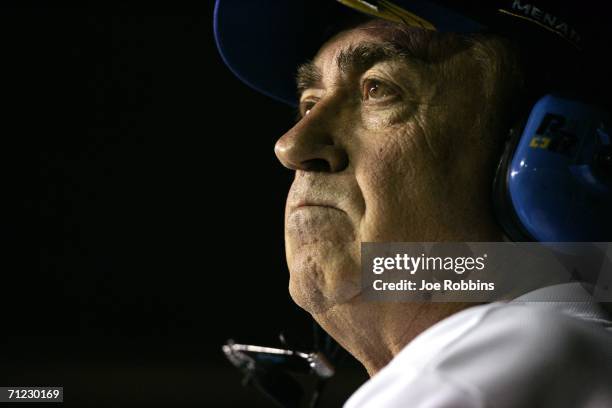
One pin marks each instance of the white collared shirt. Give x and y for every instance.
(525, 353)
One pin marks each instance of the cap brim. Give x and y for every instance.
(263, 42)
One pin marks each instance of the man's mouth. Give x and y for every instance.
(311, 204)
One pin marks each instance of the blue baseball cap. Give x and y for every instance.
(264, 41)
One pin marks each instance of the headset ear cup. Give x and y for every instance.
(502, 202)
(552, 182)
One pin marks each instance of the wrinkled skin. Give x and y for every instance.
(391, 151)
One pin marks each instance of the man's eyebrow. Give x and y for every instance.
(361, 57)
(351, 60)
(308, 76)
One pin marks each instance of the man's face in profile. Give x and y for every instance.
(393, 145)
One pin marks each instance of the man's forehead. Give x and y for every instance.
(353, 46)
(417, 41)
(358, 48)
(352, 51)
(341, 42)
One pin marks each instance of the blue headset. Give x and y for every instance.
(554, 180)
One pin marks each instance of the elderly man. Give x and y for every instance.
(399, 134)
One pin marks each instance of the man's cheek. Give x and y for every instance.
(390, 154)
(395, 116)
(395, 196)
(386, 168)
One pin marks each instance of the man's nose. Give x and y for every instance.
(311, 146)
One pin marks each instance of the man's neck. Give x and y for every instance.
(375, 333)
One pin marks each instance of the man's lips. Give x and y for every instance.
(304, 204)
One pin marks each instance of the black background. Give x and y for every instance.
(141, 174)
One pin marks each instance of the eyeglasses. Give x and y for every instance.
(249, 357)
(267, 368)
(271, 370)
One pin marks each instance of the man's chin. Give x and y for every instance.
(317, 289)
(315, 301)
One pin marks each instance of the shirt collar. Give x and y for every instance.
(574, 299)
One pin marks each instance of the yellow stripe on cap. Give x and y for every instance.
(388, 11)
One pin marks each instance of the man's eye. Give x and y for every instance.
(306, 107)
(377, 90)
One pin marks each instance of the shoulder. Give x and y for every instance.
(534, 328)
(529, 354)
(503, 355)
